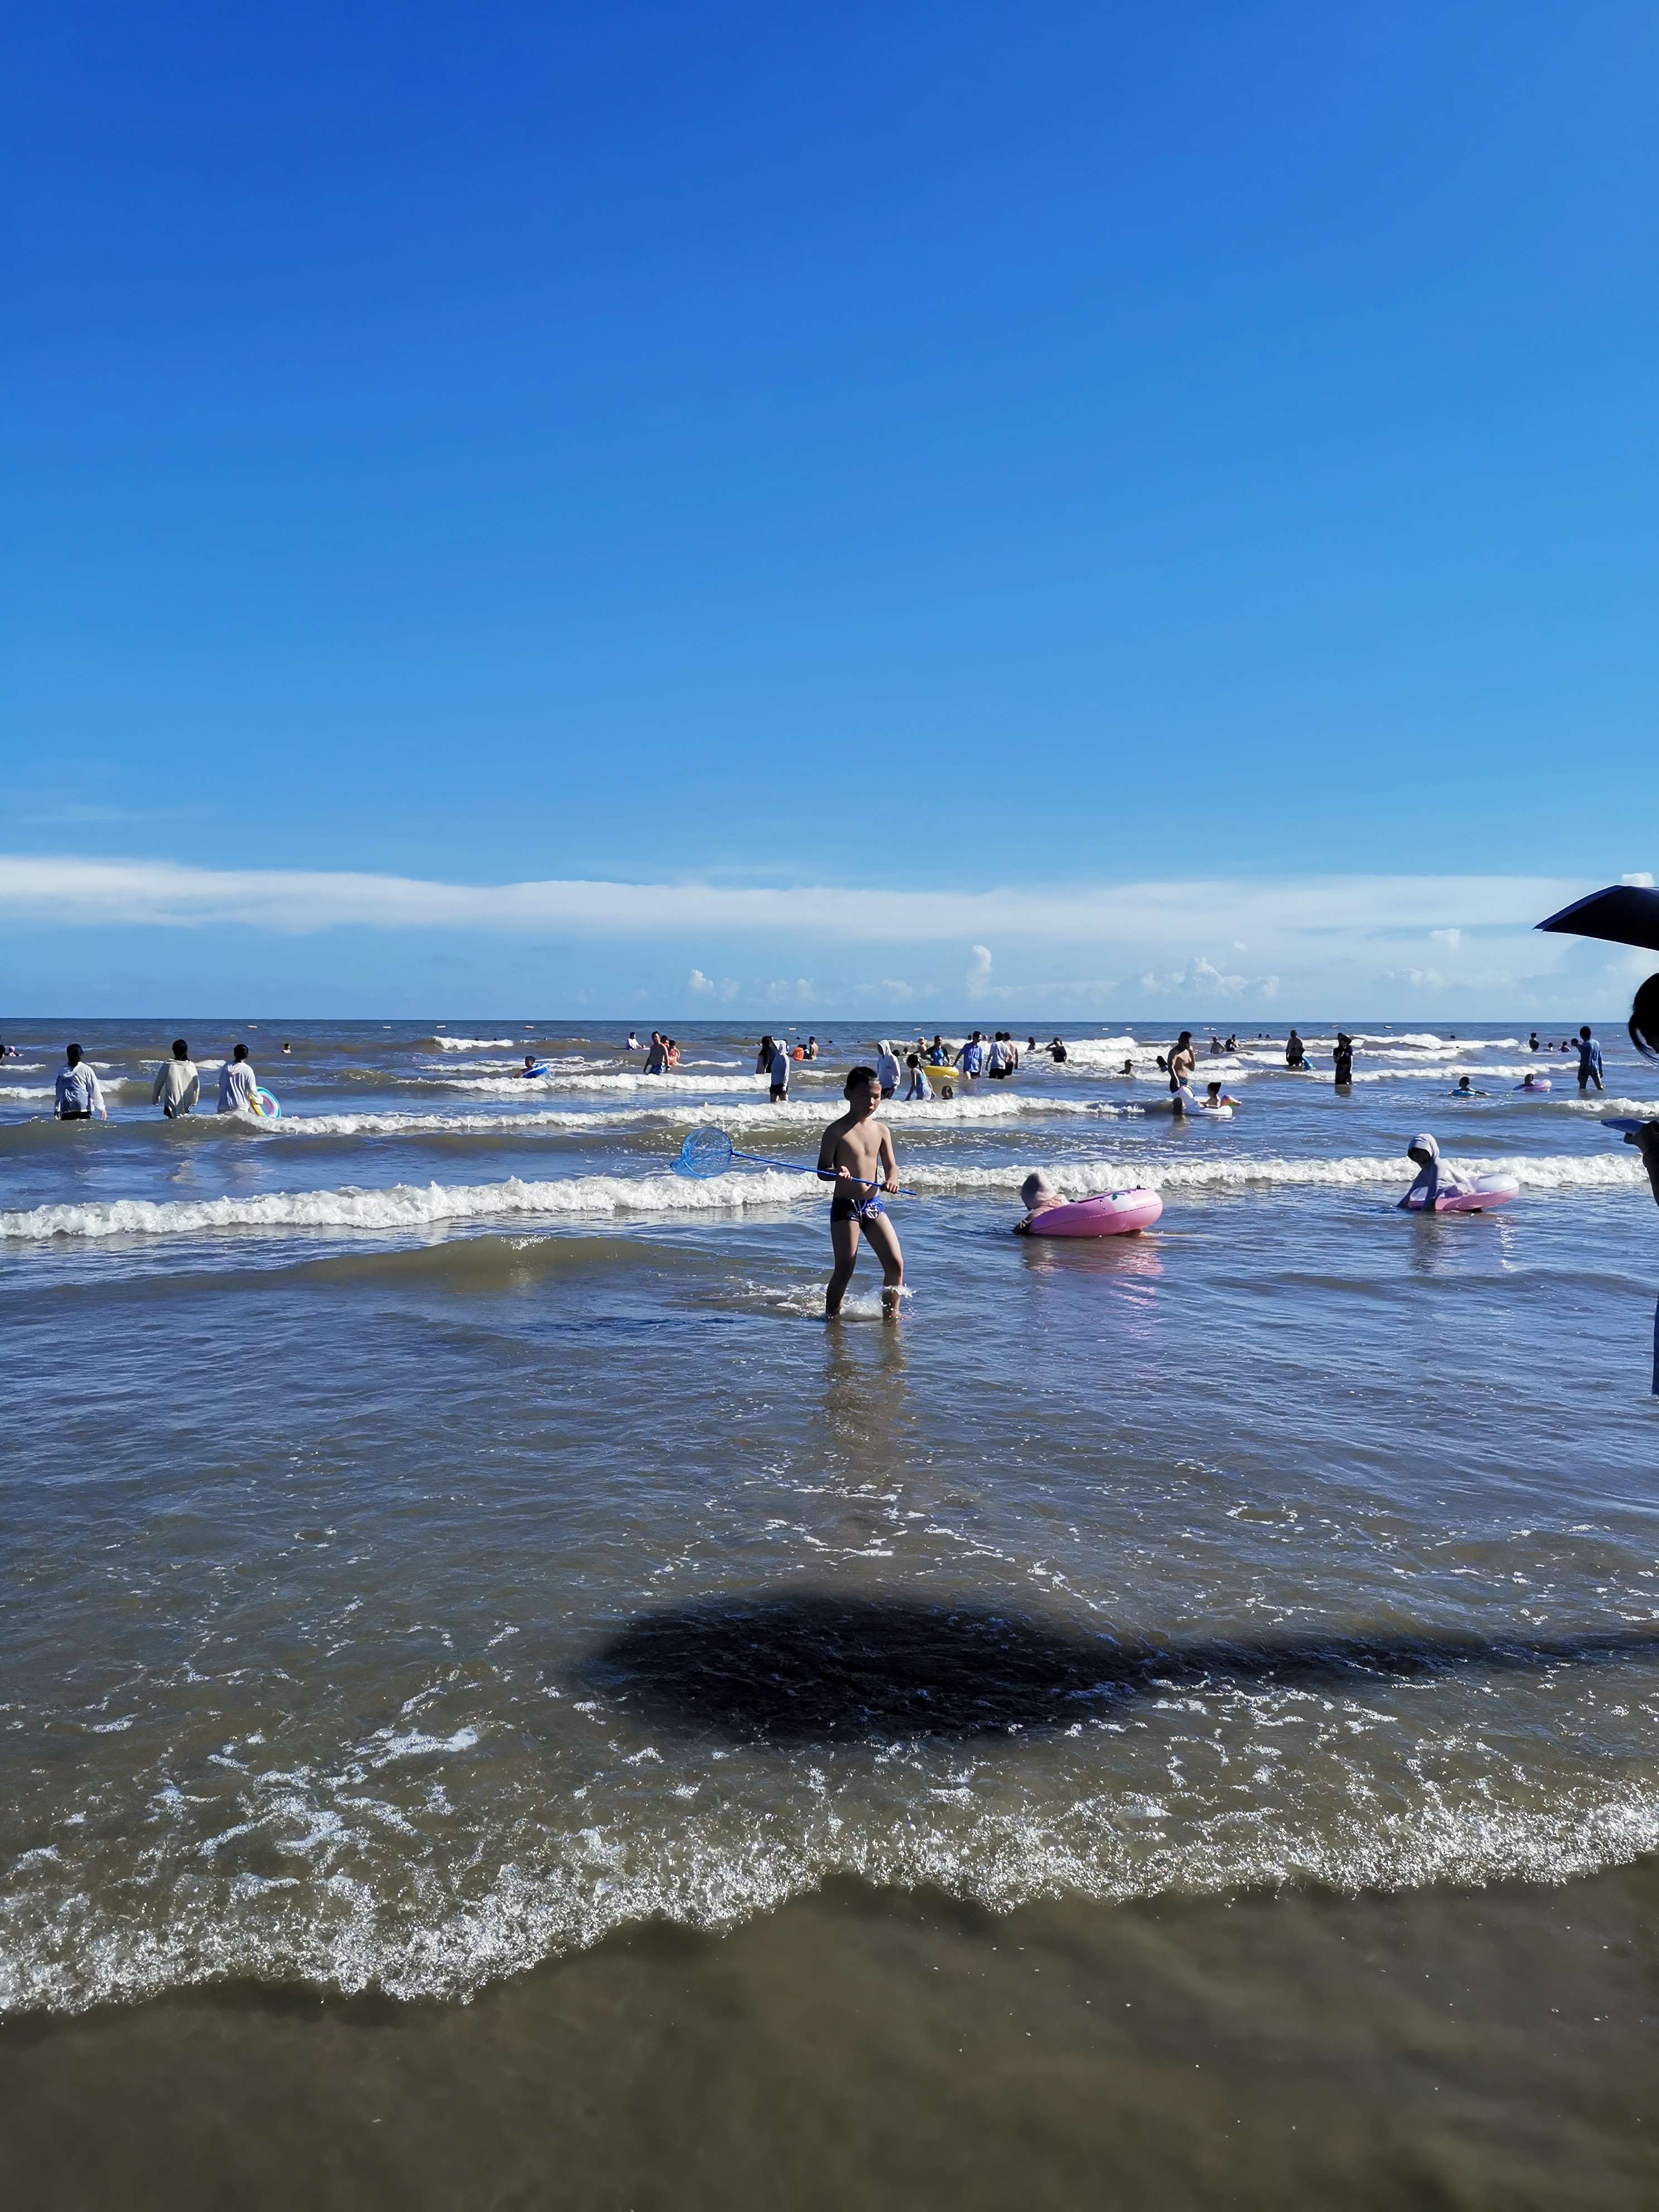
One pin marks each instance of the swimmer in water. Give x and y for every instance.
(529, 1067)
(1037, 1194)
(1434, 1179)
(857, 1155)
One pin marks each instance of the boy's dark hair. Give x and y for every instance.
(240, 1053)
(1644, 1019)
(72, 1055)
(915, 1060)
(859, 1075)
(180, 1049)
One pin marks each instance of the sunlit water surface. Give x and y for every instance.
(438, 1536)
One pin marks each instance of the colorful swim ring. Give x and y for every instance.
(526, 1074)
(1109, 1213)
(265, 1106)
(1490, 1190)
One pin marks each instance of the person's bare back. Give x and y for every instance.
(857, 1151)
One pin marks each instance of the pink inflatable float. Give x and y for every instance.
(1109, 1213)
(1489, 1190)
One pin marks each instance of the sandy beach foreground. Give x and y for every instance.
(862, 2047)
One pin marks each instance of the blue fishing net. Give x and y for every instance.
(705, 1153)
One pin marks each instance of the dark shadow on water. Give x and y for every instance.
(809, 1666)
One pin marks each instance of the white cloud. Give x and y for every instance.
(1323, 940)
(67, 890)
(783, 993)
(1203, 977)
(1641, 881)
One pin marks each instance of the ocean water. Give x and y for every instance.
(446, 1549)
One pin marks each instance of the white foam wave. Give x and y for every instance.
(786, 1115)
(406, 1206)
(470, 1044)
(1079, 1179)
(546, 1900)
(506, 1086)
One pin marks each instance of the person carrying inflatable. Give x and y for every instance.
(1436, 1178)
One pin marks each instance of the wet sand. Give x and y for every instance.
(1443, 2047)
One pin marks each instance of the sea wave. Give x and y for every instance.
(549, 1896)
(1010, 1107)
(1079, 1179)
(508, 1086)
(409, 1206)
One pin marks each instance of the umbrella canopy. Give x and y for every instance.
(1624, 914)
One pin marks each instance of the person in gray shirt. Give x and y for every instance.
(177, 1087)
(79, 1096)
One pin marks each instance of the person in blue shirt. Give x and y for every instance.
(1589, 1059)
(971, 1059)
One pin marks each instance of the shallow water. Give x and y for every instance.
(443, 1541)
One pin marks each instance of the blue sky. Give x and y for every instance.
(1192, 466)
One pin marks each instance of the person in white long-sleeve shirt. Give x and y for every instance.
(78, 1096)
(1436, 1177)
(177, 1087)
(237, 1085)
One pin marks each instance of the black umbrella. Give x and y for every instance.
(1624, 914)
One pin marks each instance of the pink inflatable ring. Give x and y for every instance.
(1109, 1213)
(1489, 1190)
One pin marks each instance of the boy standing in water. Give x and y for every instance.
(857, 1155)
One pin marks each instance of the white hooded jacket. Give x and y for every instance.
(1436, 1178)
